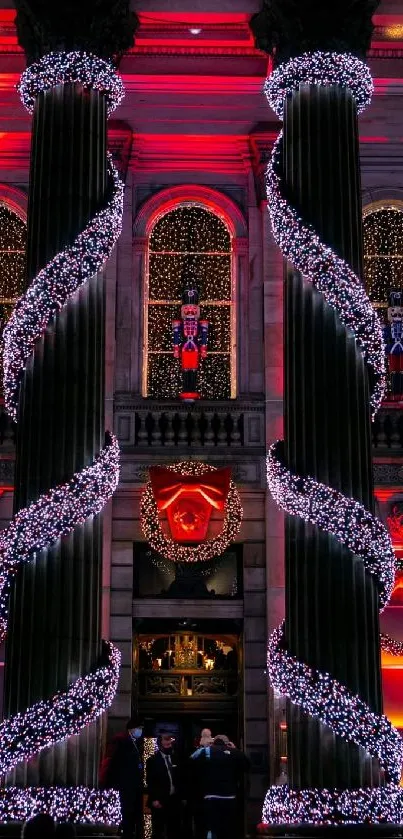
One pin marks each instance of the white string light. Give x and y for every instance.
(57, 512)
(347, 519)
(322, 696)
(298, 241)
(58, 68)
(66, 713)
(373, 805)
(75, 804)
(316, 692)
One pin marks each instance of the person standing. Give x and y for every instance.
(122, 769)
(194, 795)
(163, 786)
(223, 769)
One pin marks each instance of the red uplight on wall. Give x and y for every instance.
(188, 501)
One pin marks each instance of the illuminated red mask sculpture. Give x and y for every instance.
(189, 500)
(176, 507)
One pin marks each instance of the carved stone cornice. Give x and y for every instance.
(131, 401)
(247, 471)
(390, 474)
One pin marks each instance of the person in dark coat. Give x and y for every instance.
(195, 793)
(122, 769)
(222, 772)
(163, 786)
(42, 825)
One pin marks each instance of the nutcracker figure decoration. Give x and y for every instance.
(393, 336)
(190, 336)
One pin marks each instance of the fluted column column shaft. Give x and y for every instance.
(54, 628)
(331, 603)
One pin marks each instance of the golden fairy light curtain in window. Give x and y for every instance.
(383, 252)
(189, 243)
(13, 243)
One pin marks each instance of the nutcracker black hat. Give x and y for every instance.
(190, 294)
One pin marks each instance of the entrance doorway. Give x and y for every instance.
(187, 676)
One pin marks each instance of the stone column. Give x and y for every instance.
(326, 398)
(55, 618)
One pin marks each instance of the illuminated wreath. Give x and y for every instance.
(166, 547)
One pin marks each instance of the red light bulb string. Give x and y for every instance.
(57, 512)
(318, 693)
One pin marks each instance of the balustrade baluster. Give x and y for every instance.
(209, 435)
(150, 426)
(137, 428)
(163, 425)
(169, 433)
(176, 426)
(190, 425)
(202, 424)
(241, 426)
(182, 432)
(142, 431)
(229, 427)
(215, 425)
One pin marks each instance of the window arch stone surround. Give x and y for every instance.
(159, 204)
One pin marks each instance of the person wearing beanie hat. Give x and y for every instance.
(222, 771)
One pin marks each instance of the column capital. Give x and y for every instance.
(287, 28)
(103, 27)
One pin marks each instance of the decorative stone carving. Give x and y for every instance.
(395, 522)
(287, 28)
(104, 27)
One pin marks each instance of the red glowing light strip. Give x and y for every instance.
(192, 18)
(193, 84)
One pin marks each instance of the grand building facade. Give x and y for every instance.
(191, 141)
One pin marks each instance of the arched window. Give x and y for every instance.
(383, 251)
(189, 244)
(13, 243)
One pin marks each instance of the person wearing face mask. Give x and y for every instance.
(122, 769)
(163, 787)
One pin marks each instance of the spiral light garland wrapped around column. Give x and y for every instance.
(316, 692)
(57, 512)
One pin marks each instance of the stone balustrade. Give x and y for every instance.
(141, 423)
(387, 429)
